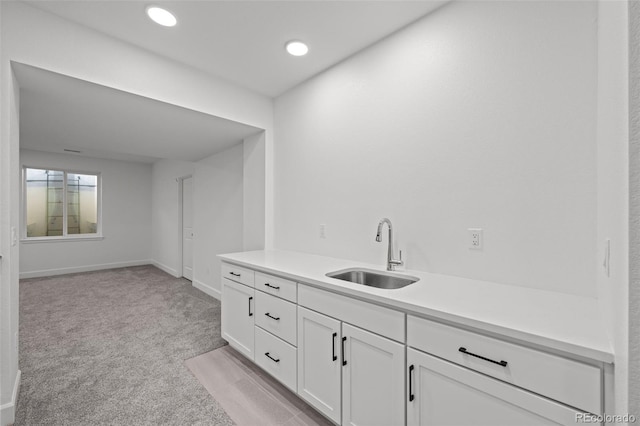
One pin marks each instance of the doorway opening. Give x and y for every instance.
(185, 208)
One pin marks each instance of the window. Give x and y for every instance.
(61, 203)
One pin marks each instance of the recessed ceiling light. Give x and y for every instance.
(296, 48)
(161, 16)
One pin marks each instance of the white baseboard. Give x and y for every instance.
(8, 410)
(216, 294)
(165, 268)
(84, 268)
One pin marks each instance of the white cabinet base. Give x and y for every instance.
(238, 317)
(277, 357)
(319, 362)
(372, 379)
(447, 394)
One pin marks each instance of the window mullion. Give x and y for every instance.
(64, 204)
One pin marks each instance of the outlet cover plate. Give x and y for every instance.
(475, 238)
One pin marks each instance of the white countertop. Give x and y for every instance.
(563, 322)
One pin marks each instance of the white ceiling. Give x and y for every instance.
(58, 112)
(240, 41)
(243, 41)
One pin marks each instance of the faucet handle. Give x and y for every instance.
(396, 262)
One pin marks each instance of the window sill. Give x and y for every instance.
(32, 240)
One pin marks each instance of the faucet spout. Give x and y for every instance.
(382, 222)
(391, 262)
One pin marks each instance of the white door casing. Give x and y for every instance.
(187, 228)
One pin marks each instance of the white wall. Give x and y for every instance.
(254, 193)
(9, 185)
(165, 214)
(634, 209)
(218, 218)
(613, 183)
(222, 221)
(126, 228)
(480, 115)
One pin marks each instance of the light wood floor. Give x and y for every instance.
(249, 395)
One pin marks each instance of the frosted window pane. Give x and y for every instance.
(44, 202)
(82, 204)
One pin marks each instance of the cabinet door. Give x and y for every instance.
(442, 393)
(373, 379)
(238, 316)
(319, 362)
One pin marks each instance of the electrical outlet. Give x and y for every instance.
(14, 236)
(323, 230)
(475, 238)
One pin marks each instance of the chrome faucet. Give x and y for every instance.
(391, 262)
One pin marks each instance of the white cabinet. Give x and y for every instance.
(571, 382)
(370, 387)
(443, 393)
(372, 379)
(260, 322)
(277, 316)
(238, 316)
(238, 274)
(276, 286)
(277, 357)
(319, 362)
(366, 363)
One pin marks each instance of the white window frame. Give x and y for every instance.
(64, 236)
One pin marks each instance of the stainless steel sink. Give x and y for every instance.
(373, 278)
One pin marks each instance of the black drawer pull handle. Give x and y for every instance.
(271, 358)
(344, 360)
(333, 352)
(464, 351)
(411, 395)
(273, 318)
(272, 286)
(250, 313)
(234, 274)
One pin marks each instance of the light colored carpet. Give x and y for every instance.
(250, 395)
(108, 347)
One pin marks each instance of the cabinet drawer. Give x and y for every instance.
(380, 320)
(276, 286)
(571, 382)
(277, 316)
(238, 274)
(277, 357)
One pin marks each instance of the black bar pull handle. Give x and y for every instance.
(271, 358)
(411, 395)
(272, 317)
(344, 360)
(234, 274)
(275, 287)
(464, 351)
(250, 313)
(333, 352)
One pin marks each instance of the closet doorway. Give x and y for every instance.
(187, 226)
